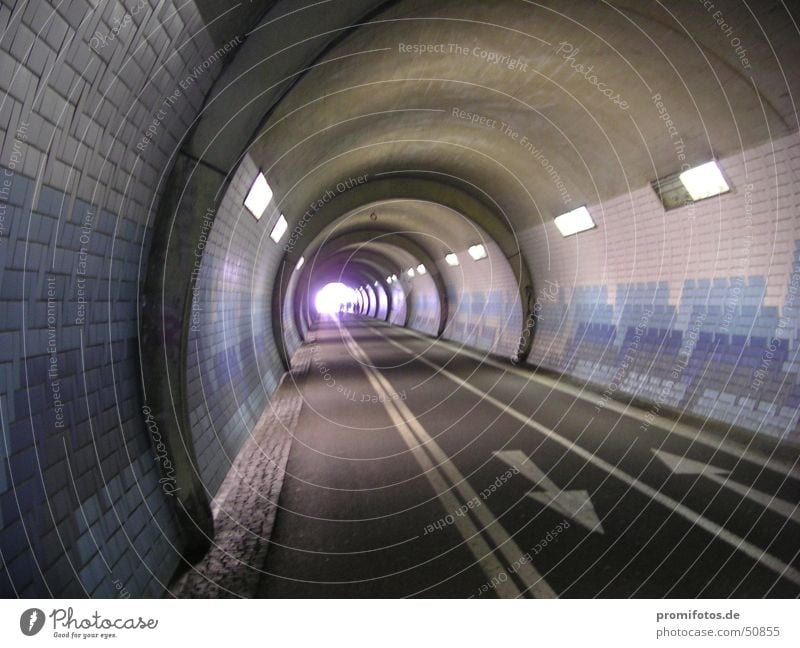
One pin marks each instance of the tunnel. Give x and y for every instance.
(562, 361)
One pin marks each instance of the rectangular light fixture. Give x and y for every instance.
(300, 263)
(451, 259)
(410, 272)
(421, 269)
(477, 252)
(689, 186)
(577, 220)
(388, 280)
(394, 277)
(258, 197)
(279, 230)
(704, 181)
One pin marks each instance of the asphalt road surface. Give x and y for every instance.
(421, 470)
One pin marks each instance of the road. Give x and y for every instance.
(421, 470)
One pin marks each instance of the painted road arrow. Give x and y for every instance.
(683, 466)
(575, 504)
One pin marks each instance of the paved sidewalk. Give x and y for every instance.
(247, 502)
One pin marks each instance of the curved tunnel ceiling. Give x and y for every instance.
(363, 269)
(381, 109)
(434, 227)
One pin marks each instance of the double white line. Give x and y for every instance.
(446, 480)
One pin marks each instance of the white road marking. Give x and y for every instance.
(575, 504)
(740, 544)
(483, 553)
(683, 466)
(406, 422)
(730, 446)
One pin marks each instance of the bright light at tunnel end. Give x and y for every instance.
(575, 221)
(334, 297)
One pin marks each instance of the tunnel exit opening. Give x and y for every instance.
(336, 297)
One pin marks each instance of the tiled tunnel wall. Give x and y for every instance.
(233, 364)
(423, 303)
(383, 303)
(694, 308)
(484, 309)
(372, 301)
(397, 315)
(81, 509)
(483, 302)
(365, 300)
(290, 332)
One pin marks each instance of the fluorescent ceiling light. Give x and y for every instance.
(421, 269)
(258, 197)
(376, 284)
(300, 263)
(577, 220)
(388, 280)
(410, 272)
(451, 259)
(394, 277)
(477, 252)
(704, 181)
(280, 229)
